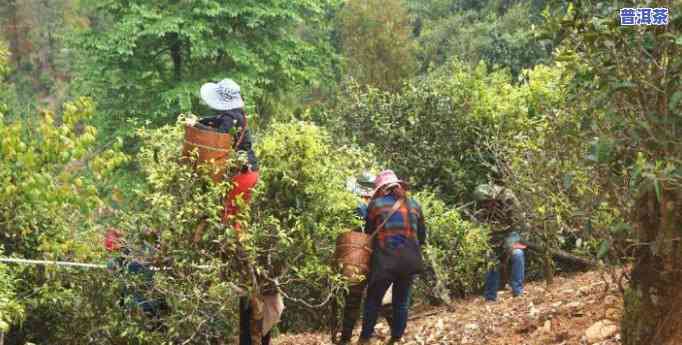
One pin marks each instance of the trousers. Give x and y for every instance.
(400, 306)
(351, 312)
(492, 279)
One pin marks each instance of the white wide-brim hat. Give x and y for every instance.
(223, 95)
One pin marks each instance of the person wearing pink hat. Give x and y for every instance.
(363, 187)
(396, 223)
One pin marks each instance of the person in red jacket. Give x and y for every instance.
(225, 97)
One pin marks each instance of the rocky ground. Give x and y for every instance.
(578, 309)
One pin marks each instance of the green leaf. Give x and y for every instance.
(657, 187)
(622, 84)
(601, 150)
(621, 228)
(588, 226)
(675, 100)
(603, 249)
(568, 181)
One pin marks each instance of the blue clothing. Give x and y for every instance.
(397, 252)
(362, 211)
(397, 246)
(148, 306)
(407, 221)
(518, 264)
(138, 278)
(395, 260)
(492, 280)
(400, 302)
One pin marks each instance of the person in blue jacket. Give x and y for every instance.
(136, 273)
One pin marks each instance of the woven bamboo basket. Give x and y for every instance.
(353, 252)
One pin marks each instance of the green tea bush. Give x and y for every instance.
(437, 131)
(49, 201)
(11, 311)
(559, 199)
(173, 201)
(456, 251)
(300, 206)
(48, 191)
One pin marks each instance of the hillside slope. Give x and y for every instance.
(578, 309)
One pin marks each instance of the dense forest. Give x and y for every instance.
(577, 115)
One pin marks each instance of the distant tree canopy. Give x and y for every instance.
(36, 31)
(377, 43)
(436, 131)
(502, 35)
(5, 91)
(148, 58)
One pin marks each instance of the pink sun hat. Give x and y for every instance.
(387, 178)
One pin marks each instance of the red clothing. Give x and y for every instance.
(112, 240)
(243, 185)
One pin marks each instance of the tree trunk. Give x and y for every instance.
(256, 320)
(560, 254)
(250, 277)
(549, 267)
(13, 32)
(547, 257)
(653, 307)
(176, 56)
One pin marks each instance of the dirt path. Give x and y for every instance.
(579, 309)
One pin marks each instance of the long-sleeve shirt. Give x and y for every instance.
(233, 122)
(397, 251)
(361, 212)
(407, 221)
